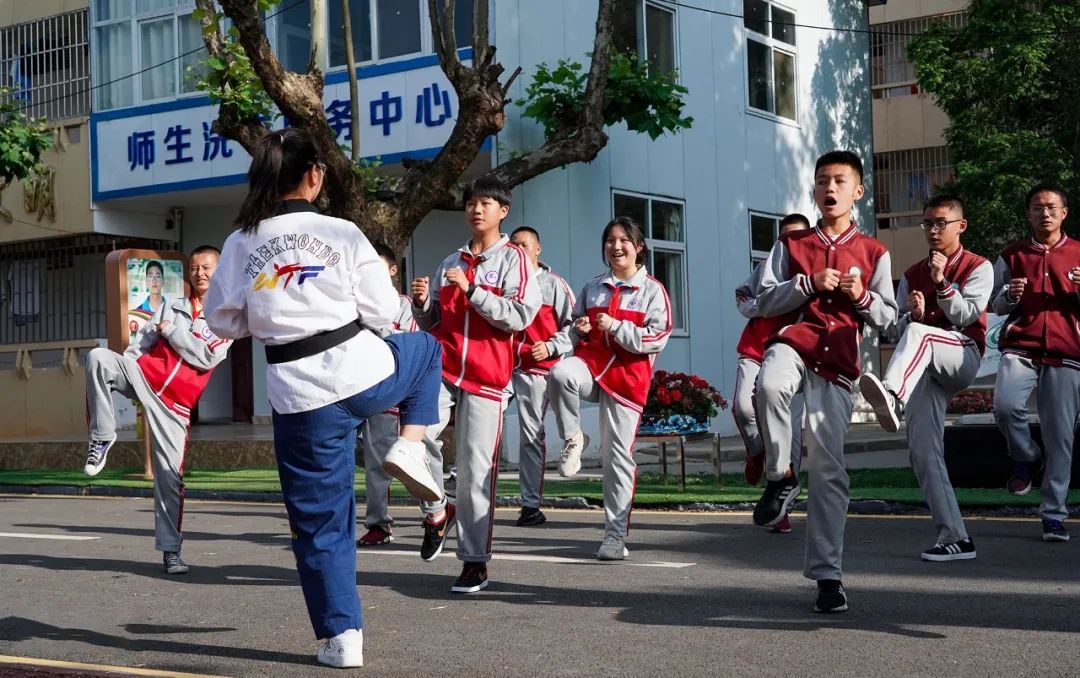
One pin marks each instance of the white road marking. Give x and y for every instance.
(32, 535)
(524, 557)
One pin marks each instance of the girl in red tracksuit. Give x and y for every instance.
(623, 320)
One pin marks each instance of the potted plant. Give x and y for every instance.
(679, 403)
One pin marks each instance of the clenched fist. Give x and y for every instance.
(827, 279)
(420, 290)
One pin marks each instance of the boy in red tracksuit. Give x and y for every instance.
(165, 368)
(838, 280)
(537, 350)
(1037, 282)
(482, 294)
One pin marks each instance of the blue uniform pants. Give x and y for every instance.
(316, 454)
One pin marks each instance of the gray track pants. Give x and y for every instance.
(532, 403)
(828, 417)
(380, 433)
(108, 372)
(478, 438)
(929, 366)
(746, 415)
(569, 383)
(1058, 400)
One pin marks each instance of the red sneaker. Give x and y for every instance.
(376, 536)
(782, 527)
(754, 469)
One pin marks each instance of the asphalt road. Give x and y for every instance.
(703, 594)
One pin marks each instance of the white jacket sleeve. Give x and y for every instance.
(746, 294)
(225, 305)
(563, 305)
(202, 355)
(777, 293)
(146, 337)
(377, 301)
(1002, 303)
(966, 306)
(652, 337)
(878, 303)
(519, 303)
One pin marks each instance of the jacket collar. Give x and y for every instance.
(1039, 246)
(466, 251)
(294, 205)
(842, 239)
(636, 281)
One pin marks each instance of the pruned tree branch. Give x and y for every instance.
(480, 32)
(445, 48)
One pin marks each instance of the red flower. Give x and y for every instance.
(664, 399)
(661, 391)
(676, 395)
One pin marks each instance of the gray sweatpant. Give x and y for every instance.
(108, 372)
(746, 415)
(380, 433)
(532, 404)
(828, 417)
(569, 383)
(1058, 399)
(929, 366)
(478, 438)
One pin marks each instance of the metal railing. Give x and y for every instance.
(891, 73)
(905, 180)
(47, 64)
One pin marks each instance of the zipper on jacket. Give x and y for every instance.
(172, 375)
(464, 349)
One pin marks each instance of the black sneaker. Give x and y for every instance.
(96, 454)
(776, 501)
(957, 550)
(831, 597)
(174, 564)
(1053, 530)
(473, 578)
(435, 534)
(531, 517)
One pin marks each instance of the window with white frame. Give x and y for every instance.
(665, 235)
(764, 232)
(770, 58)
(389, 29)
(647, 29)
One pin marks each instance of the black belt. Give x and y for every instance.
(313, 345)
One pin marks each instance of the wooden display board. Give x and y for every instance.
(137, 283)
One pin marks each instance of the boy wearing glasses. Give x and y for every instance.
(1037, 281)
(941, 339)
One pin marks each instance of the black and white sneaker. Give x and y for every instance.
(473, 578)
(831, 597)
(531, 517)
(174, 564)
(776, 501)
(96, 453)
(1053, 530)
(435, 534)
(957, 550)
(889, 409)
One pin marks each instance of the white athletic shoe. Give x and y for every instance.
(407, 461)
(343, 651)
(888, 409)
(96, 454)
(570, 461)
(613, 548)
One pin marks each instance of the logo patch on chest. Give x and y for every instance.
(491, 277)
(634, 304)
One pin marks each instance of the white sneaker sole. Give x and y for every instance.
(785, 507)
(92, 470)
(609, 557)
(342, 661)
(469, 589)
(874, 391)
(934, 558)
(413, 473)
(572, 465)
(821, 610)
(1054, 538)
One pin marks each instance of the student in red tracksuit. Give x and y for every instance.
(482, 294)
(839, 280)
(622, 321)
(1037, 282)
(751, 351)
(537, 350)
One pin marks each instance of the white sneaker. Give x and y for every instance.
(570, 461)
(407, 461)
(96, 453)
(888, 409)
(343, 651)
(613, 548)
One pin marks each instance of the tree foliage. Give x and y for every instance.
(1009, 81)
(22, 140)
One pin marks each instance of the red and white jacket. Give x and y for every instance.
(550, 326)
(476, 333)
(178, 362)
(958, 303)
(1044, 324)
(828, 327)
(759, 328)
(621, 360)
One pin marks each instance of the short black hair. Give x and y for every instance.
(154, 263)
(1047, 187)
(633, 230)
(526, 229)
(794, 218)
(487, 187)
(385, 253)
(205, 249)
(945, 200)
(848, 158)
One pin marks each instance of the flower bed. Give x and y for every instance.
(680, 403)
(971, 402)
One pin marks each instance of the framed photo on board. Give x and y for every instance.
(137, 284)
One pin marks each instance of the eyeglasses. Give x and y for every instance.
(155, 276)
(937, 224)
(1052, 210)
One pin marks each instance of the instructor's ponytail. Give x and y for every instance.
(278, 164)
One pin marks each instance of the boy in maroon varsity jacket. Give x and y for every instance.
(751, 350)
(165, 369)
(1036, 283)
(482, 294)
(543, 343)
(941, 340)
(838, 280)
